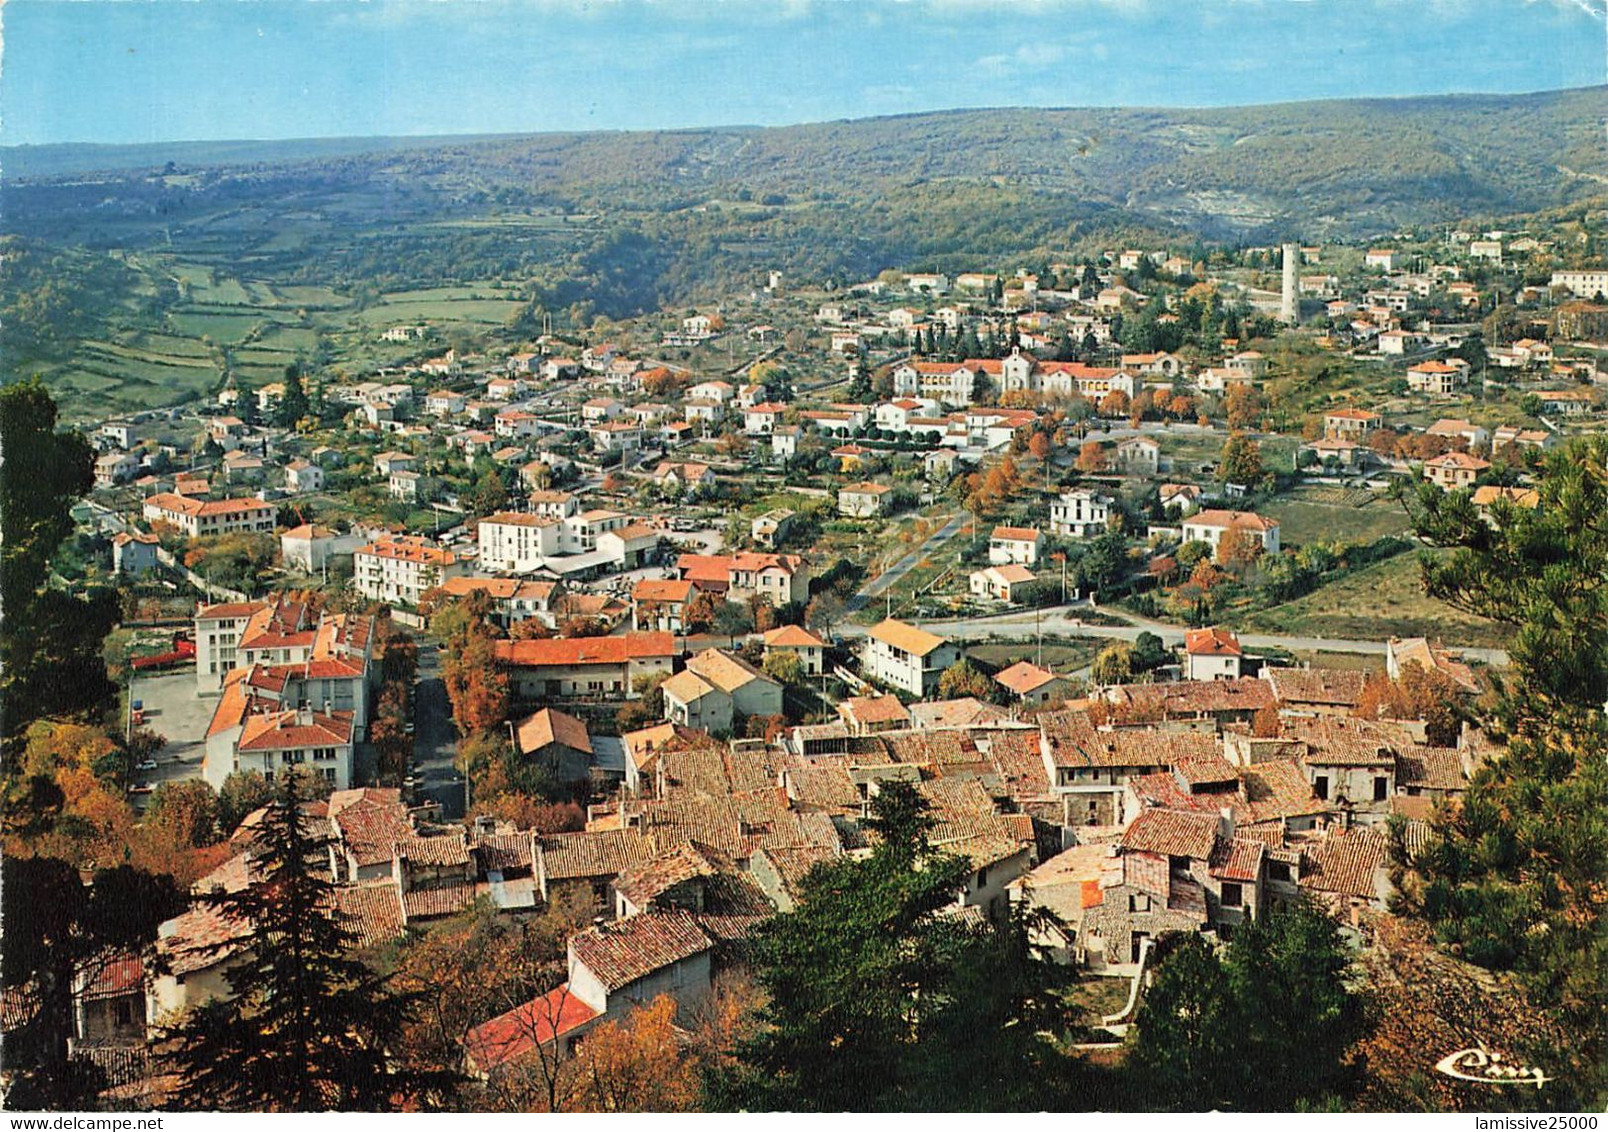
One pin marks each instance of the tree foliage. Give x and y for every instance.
(875, 996)
(1264, 1026)
(306, 1027)
(50, 652)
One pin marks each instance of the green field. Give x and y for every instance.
(484, 311)
(1309, 517)
(1062, 654)
(1384, 600)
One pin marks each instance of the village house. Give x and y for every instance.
(401, 568)
(197, 518)
(780, 578)
(512, 599)
(1001, 583)
(1212, 654)
(1455, 470)
(1081, 513)
(584, 667)
(715, 689)
(800, 642)
(906, 657)
(659, 604)
(1351, 424)
(1434, 377)
(134, 552)
(556, 741)
(1021, 545)
(1210, 526)
(303, 476)
(1137, 456)
(1029, 684)
(864, 500)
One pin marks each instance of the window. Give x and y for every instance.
(1278, 870)
(1380, 786)
(982, 877)
(1320, 786)
(1233, 897)
(124, 1012)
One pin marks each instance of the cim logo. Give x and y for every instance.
(1485, 1068)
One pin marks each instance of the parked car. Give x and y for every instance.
(145, 764)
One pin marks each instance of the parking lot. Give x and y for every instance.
(174, 710)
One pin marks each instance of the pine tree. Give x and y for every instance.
(306, 1027)
(876, 998)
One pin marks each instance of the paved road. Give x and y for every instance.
(1066, 621)
(890, 577)
(435, 736)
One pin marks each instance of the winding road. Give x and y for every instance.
(1066, 621)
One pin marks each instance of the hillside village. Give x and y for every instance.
(651, 620)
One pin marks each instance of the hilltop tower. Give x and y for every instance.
(1290, 308)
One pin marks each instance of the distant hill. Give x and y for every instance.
(1324, 168)
(144, 275)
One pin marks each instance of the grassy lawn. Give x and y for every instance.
(1384, 600)
(1061, 654)
(1352, 661)
(1303, 519)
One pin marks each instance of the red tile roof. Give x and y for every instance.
(585, 650)
(625, 951)
(514, 1035)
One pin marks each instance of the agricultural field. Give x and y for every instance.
(1384, 600)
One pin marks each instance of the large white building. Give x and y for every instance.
(198, 517)
(1582, 284)
(906, 657)
(402, 568)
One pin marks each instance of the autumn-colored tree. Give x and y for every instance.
(1039, 446)
(962, 679)
(1114, 665)
(1432, 697)
(187, 811)
(1241, 460)
(1205, 576)
(699, 613)
(1091, 458)
(1114, 404)
(763, 613)
(1266, 723)
(1243, 405)
(1238, 549)
(476, 686)
(622, 1066)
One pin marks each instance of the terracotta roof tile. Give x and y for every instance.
(625, 951)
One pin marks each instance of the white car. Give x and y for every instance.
(146, 764)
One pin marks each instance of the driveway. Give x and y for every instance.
(435, 736)
(890, 577)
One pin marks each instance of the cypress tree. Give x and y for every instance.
(306, 1027)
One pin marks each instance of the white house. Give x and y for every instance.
(906, 657)
(1019, 545)
(864, 500)
(1080, 513)
(1212, 654)
(1210, 527)
(401, 568)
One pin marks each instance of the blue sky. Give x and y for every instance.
(162, 70)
